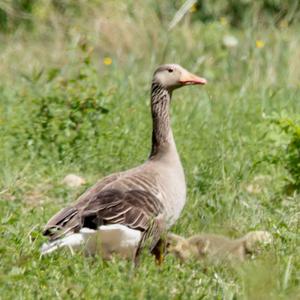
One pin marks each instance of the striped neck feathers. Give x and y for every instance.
(162, 137)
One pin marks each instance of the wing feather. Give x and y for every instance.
(136, 209)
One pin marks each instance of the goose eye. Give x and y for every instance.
(170, 70)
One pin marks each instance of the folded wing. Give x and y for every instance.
(136, 209)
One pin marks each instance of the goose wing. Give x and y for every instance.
(136, 209)
(67, 219)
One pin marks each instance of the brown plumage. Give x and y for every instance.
(148, 198)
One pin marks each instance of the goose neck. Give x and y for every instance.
(162, 136)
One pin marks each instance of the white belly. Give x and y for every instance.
(106, 241)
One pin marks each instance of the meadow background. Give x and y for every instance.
(74, 98)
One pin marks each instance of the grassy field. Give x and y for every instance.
(74, 98)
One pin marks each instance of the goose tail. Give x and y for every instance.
(72, 241)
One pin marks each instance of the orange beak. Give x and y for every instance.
(189, 78)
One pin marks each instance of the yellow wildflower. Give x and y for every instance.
(193, 8)
(259, 44)
(107, 60)
(90, 50)
(284, 24)
(223, 21)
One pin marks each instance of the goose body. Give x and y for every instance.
(124, 209)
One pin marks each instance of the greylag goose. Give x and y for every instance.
(123, 210)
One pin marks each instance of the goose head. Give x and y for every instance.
(172, 76)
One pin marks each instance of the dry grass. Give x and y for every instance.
(137, 34)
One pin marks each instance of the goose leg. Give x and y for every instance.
(159, 251)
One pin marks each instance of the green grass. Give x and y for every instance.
(63, 111)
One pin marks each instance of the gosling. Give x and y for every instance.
(217, 247)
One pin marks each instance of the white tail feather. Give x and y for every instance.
(106, 240)
(73, 241)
